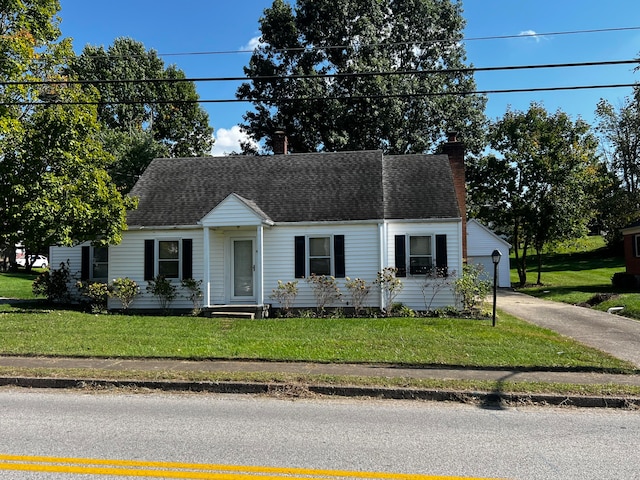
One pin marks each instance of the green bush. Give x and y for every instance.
(624, 281)
(54, 284)
(194, 294)
(165, 291)
(97, 293)
(471, 289)
(125, 290)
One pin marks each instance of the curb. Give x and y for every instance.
(484, 399)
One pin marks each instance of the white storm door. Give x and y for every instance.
(243, 269)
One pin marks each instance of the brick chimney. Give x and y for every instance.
(455, 150)
(280, 143)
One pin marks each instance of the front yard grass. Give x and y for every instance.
(407, 341)
(18, 285)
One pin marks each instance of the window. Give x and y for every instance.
(100, 264)
(420, 255)
(320, 256)
(325, 256)
(95, 263)
(636, 245)
(169, 258)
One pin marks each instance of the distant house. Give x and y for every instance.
(631, 235)
(481, 243)
(241, 223)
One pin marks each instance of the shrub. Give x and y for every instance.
(438, 280)
(97, 293)
(285, 294)
(325, 289)
(162, 288)
(125, 290)
(194, 294)
(624, 281)
(359, 291)
(471, 289)
(54, 284)
(391, 287)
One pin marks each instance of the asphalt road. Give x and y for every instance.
(350, 435)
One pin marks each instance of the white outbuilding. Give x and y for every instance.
(481, 242)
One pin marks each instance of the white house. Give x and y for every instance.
(241, 223)
(481, 242)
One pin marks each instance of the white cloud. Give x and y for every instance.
(253, 44)
(228, 141)
(531, 34)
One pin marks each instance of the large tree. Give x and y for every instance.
(539, 186)
(619, 128)
(383, 74)
(53, 185)
(142, 99)
(133, 96)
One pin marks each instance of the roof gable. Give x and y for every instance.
(243, 212)
(339, 186)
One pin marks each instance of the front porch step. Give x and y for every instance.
(238, 311)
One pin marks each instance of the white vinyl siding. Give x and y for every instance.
(361, 258)
(411, 294)
(127, 260)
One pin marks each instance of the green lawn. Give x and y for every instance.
(454, 342)
(17, 285)
(577, 275)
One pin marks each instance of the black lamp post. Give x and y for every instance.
(495, 258)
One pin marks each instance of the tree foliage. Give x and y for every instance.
(335, 108)
(620, 131)
(147, 118)
(54, 188)
(541, 187)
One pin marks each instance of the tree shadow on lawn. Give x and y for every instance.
(601, 258)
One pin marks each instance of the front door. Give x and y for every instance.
(243, 269)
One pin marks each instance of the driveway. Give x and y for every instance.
(610, 333)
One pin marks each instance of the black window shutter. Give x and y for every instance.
(441, 254)
(401, 256)
(338, 256)
(85, 270)
(187, 258)
(300, 257)
(149, 259)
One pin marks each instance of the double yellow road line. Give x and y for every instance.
(140, 469)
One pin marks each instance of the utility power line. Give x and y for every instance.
(325, 75)
(311, 99)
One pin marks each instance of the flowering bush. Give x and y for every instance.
(285, 294)
(194, 294)
(325, 289)
(162, 288)
(359, 291)
(391, 287)
(125, 290)
(97, 293)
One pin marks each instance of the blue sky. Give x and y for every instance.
(196, 26)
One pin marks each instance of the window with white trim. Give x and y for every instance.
(636, 249)
(420, 254)
(320, 255)
(100, 263)
(169, 258)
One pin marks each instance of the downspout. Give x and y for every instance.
(383, 255)
(207, 266)
(260, 265)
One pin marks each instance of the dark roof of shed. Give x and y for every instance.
(340, 186)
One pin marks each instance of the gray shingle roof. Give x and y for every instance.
(338, 186)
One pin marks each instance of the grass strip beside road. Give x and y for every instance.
(399, 341)
(296, 384)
